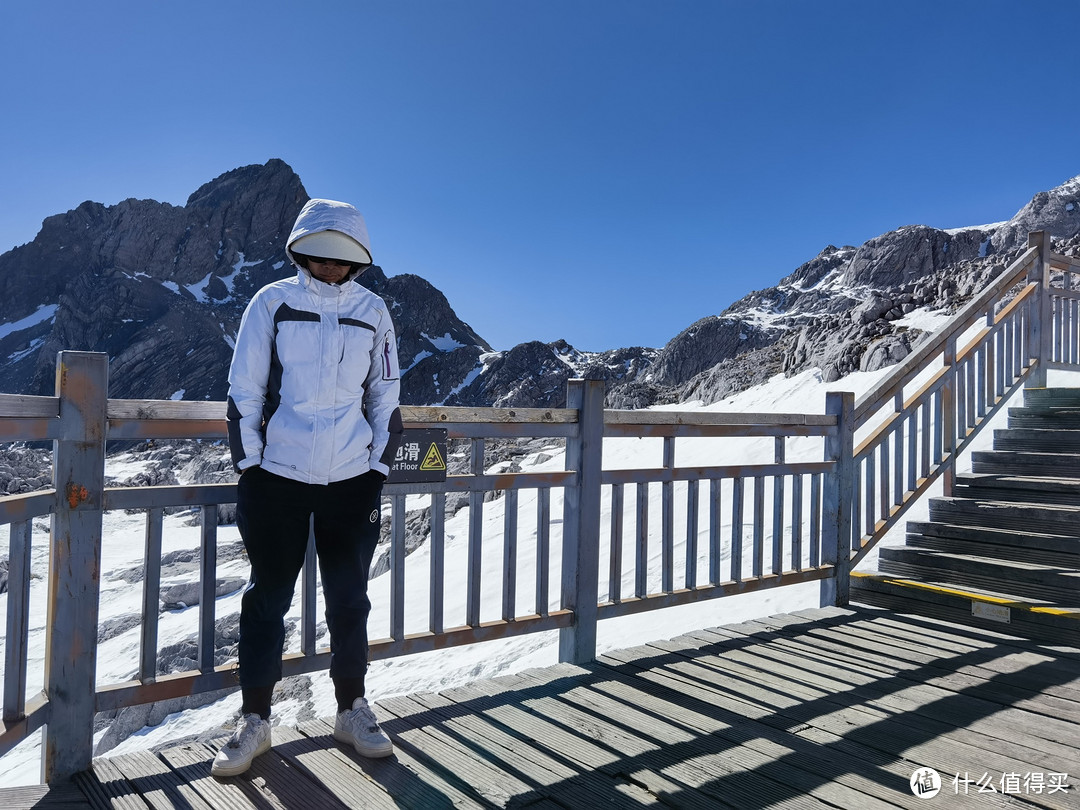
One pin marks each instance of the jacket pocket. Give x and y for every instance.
(358, 340)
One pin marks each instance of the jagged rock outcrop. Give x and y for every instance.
(1056, 211)
(705, 344)
(161, 289)
(845, 309)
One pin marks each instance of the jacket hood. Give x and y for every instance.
(329, 215)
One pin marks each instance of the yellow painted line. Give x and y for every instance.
(975, 597)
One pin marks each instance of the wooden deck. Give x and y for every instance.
(825, 708)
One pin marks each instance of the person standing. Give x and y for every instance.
(314, 425)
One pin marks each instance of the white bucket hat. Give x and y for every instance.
(332, 245)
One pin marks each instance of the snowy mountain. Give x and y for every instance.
(161, 288)
(834, 323)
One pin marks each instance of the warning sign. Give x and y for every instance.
(433, 461)
(421, 458)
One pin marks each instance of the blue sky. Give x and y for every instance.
(606, 172)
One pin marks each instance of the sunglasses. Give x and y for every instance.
(324, 260)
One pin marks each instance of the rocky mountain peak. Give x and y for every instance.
(161, 289)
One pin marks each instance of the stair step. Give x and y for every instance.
(1018, 488)
(1013, 462)
(1059, 419)
(998, 544)
(1052, 397)
(969, 606)
(1021, 579)
(1042, 518)
(1003, 552)
(1032, 439)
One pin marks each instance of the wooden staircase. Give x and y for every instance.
(1004, 551)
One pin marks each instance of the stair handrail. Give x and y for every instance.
(956, 402)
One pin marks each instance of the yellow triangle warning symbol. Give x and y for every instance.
(433, 460)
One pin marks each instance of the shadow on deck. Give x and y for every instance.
(824, 708)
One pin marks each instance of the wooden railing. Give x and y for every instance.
(928, 410)
(806, 507)
(742, 548)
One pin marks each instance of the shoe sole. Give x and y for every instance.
(236, 770)
(371, 753)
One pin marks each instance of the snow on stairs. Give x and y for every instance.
(1004, 551)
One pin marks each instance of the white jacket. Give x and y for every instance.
(313, 386)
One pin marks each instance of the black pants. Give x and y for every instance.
(273, 516)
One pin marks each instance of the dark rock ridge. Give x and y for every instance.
(161, 289)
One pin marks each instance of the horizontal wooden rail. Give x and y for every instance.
(1069, 264)
(687, 596)
(14, 731)
(26, 506)
(718, 418)
(664, 474)
(29, 407)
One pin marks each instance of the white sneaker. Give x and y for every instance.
(251, 738)
(359, 727)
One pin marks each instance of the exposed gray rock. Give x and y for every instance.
(24, 469)
(1056, 211)
(121, 724)
(111, 628)
(188, 594)
(161, 289)
(179, 563)
(183, 655)
(885, 352)
(707, 343)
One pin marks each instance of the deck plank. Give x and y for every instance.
(966, 709)
(159, 786)
(816, 709)
(628, 704)
(406, 779)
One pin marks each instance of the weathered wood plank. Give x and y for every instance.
(775, 755)
(715, 418)
(410, 781)
(41, 797)
(929, 721)
(1060, 261)
(830, 714)
(821, 708)
(682, 784)
(861, 769)
(665, 475)
(192, 763)
(24, 406)
(159, 786)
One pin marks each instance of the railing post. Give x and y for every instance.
(949, 417)
(836, 504)
(1042, 328)
(82, 381)
(581, 522)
